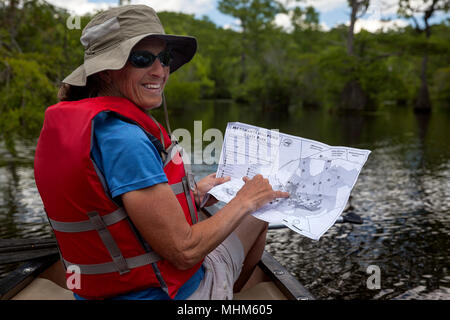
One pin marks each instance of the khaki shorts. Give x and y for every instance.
(222, 268)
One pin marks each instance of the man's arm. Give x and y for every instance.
(159, 217)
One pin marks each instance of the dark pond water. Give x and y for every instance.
(402, 194)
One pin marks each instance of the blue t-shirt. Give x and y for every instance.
(129, 161)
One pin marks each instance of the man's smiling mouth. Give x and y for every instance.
(152, 86)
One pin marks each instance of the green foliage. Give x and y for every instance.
(190, 83)
(255, 15)
(336, 69)
(24, 94)
(441, 88)
(305, 18)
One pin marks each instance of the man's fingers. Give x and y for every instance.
(245, 179)
(221, 180)
(282, 194)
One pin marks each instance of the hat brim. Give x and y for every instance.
(183, 49)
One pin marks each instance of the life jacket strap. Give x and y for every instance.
(109, 242)
(108, 267)
(183, 187)
(177, 188)
(189, 199)
(187, 183)
(100, 224)
(86, 225)
(171, 151)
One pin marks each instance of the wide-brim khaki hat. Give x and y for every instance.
(109, 37)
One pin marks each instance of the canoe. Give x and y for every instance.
(42, 277)
(39, 279)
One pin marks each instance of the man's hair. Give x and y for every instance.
(69, 92)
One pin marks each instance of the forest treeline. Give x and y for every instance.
(261, 64)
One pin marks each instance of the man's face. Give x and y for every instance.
(143, 86)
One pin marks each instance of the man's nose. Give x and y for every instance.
(157, 69)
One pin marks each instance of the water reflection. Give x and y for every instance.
(402, 194)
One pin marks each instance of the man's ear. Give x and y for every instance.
(105, 76)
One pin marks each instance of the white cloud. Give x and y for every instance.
(284, 21)
(324, 27)
(197, 7)
(374, 25)
(378, 10)
(235, 25)
(326, 5)
(81, 7)
(376, 7)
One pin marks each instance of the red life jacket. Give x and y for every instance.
(93, 232)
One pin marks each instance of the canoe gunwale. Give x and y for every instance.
(286, 283)
(23, 275)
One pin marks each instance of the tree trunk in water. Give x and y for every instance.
(243, 75)
(423, 102)
(353, 96)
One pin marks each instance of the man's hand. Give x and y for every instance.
(257, 192)
(206, 184)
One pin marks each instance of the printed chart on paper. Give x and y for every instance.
(318, 177)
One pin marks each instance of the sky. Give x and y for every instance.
(332, 12)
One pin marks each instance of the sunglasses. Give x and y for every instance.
(144, 59)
